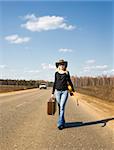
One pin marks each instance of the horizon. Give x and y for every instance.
(101, 76)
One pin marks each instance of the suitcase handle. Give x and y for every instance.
(52, 99)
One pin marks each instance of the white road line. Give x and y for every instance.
(21, 104)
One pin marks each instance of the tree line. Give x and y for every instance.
(93, 81)
(77, 81)
(28, 83)
(101, 87)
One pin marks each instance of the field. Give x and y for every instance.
(8, 85)
(102, 92)
(101, 87)
(9, 88)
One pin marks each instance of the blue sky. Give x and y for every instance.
(34, 35)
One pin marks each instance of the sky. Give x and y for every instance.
(34, 35)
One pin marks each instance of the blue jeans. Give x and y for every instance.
(61, 97)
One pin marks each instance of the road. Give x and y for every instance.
(25, 125)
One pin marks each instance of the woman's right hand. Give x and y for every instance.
(52, 95)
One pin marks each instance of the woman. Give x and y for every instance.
(60, 88)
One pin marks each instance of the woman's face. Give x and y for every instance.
(61, 66)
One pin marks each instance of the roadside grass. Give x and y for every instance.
(10, 88)
(102, 92)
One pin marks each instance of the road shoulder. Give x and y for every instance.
(100, 108)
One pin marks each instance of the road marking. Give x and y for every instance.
(21, 104)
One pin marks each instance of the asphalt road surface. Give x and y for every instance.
(25, 125)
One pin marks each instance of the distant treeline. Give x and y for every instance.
(93, 81)
(100, 87)
(77, 81)
(29, 83)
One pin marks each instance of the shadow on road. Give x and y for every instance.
(80, 124)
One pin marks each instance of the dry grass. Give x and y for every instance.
(9, 88)
(102, 92)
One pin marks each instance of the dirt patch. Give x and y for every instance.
(99, 107)
(106, 106)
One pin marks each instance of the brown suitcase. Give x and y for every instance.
(51, 106)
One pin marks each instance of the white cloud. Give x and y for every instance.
(65, 50)
(96, 68)
(109, 72)
(91, 66)
(91, 61)
(15, 39)
(3, 66)
(32, 71)
(112, 70)
(48, 66)
(45, 23)
(102, 67)
(32, 17)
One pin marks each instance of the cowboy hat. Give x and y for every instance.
(61, 61)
